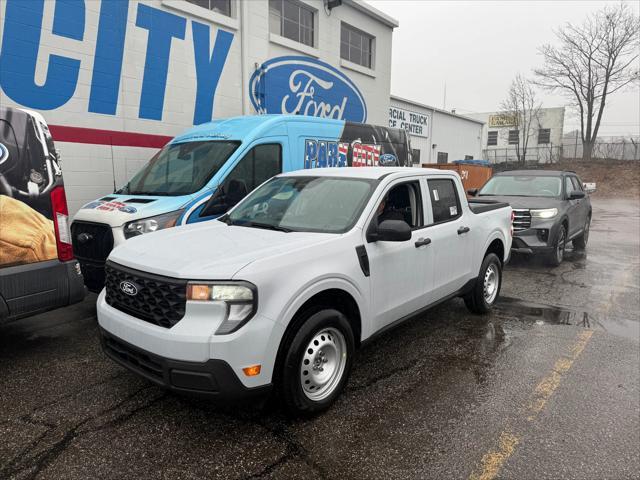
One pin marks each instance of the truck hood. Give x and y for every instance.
(209, 250)
(117, 210)
(525, 202)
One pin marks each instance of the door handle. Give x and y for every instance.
(462, 230)
(422, 242)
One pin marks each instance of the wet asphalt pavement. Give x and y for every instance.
(547, 386)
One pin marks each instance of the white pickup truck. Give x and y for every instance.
(280, 291)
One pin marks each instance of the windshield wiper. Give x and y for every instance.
(265, 226)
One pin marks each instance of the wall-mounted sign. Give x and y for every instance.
(305, 86)
(502, 120)
(413, 122)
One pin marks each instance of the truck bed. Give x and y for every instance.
(477, 205)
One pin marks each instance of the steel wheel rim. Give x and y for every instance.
(323, 364)
(491, 283)
(560, 248)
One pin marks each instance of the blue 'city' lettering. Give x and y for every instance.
(107, 63)
(20, 45)
(208, 68)
(162, 27)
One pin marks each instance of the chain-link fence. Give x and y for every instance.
(623, 150)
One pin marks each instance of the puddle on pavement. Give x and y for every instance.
(537, 314)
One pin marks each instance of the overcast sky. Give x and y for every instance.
(477, 47)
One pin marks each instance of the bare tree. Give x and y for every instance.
(521, 109)
(591, 62)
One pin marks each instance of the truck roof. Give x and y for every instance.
(373, 173)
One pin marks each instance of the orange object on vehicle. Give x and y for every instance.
(473, 176)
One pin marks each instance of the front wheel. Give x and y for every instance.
(557, 255)
(317, 362)
(487, 286)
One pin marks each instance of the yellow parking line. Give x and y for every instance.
(493, 460)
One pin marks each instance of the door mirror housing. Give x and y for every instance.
(226, 197)
(389, 231)
(576, 195)
(472, 192)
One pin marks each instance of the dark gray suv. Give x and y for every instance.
(550, 209)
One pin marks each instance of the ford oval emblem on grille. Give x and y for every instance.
(129, 288)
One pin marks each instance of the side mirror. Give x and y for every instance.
(472, 191)
(389, 231)
(576, 195)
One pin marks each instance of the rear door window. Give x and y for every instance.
(445, 203)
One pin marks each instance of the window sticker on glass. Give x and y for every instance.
(435, 195)
(453, 211)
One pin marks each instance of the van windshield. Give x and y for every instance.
(304, 204)
(180, 169)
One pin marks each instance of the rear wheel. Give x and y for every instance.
(317, 362)
(580, 243)
(487, 286)
(557, 255)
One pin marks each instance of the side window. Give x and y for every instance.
(568, 186)
(259, 164)
(577, 185)
(445, 203)
(402, 202)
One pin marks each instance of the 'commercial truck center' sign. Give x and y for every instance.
(412, 122)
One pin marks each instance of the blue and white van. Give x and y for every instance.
(202, 173)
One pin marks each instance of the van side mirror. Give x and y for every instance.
(389, 231)
(472, 191)
(576, 195)
(226, 197)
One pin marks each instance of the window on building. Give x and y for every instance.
(544, 136)
(292, 20)
(492, 138)
(445, 203)
(415, 155)
(514, 137)
(468, 157)
(356, 46)
(220, 6)
(443, 157)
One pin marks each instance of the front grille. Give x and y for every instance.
(521, 219)
(135, 358)
(157, 299)
(91, 241)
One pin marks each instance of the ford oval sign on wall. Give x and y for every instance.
(305, 86)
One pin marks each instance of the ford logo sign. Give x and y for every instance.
(129, 288)
(388, 159)
(305, 86)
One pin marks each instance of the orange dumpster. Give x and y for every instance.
(473, 176)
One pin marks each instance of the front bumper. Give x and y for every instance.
(538, 239)
(213, 379)
(188, 354)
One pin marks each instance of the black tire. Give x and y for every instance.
(555, 258)
(476, 300)
(580, 243)
(289, 381)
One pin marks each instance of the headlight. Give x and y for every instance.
(240, 298)
(544, 213)
(151, 224)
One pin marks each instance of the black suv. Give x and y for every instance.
(550, 209)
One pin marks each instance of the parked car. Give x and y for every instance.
(37, 268)
(202, 173)
(551, 208)
(281, 290)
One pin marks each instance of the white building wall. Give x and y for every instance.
(455, 135)
(551, 118)
(91, 167)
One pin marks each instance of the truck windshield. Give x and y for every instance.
(522, 186)
(180, 169)
(304, 204)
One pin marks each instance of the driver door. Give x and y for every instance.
(399, 270)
